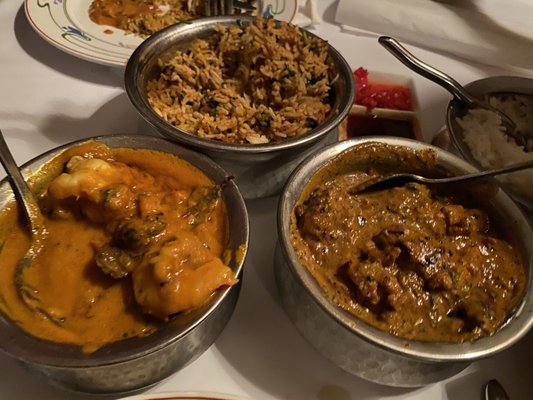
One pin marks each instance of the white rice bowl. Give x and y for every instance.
(492, 148)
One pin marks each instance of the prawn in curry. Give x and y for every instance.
(135, 236)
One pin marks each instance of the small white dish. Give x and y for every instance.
(66, 25)
(384, 121)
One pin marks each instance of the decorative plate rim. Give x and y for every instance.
(187, 395)
(52, 21)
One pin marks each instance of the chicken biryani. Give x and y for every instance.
(262, 82)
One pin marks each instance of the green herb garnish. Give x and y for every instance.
(212, 103)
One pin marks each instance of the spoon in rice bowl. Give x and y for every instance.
(448, 83)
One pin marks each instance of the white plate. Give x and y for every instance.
(66, 25)
(183, 396)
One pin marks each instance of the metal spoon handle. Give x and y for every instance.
(491, 172)
(420, 67)
(495, 391)
(26, 200)
(400, 179)
(18, 184)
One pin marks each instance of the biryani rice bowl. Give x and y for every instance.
(254, 84)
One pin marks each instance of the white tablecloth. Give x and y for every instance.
(48, 98)
(494, 32)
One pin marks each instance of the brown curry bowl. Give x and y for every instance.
(362, 349)
(260, 170)
(135, 363)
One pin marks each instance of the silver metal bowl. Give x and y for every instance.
(135, 363)
(481, 88)
(360, 348)
(259, 169)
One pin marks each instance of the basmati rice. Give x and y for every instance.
(261, 83)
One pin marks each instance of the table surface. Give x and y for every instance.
(49, 98)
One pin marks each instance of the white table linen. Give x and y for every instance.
(495, 32)
(48, 98)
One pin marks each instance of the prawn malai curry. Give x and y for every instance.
(135, 236)
(412, 260)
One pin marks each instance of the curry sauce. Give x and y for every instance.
(143, 17)
(411, 260)
(135, 236)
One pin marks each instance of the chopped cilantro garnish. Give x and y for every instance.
(289, 72)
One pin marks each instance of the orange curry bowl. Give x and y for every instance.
(139, 269)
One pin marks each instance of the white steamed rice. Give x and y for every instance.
(492, 148)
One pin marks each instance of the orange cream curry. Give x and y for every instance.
(134, 237)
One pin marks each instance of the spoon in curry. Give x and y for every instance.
(448, 83)
(399, 179)
(26, 200)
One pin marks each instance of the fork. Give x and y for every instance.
(227, 7)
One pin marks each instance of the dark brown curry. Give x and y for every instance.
(409, 260)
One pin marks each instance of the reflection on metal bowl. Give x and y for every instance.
(259, 169)
(360, 348)
(135, 363)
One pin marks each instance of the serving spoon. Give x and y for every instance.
(495, 391)
(32, 213)
(399, 179)
(448, 83)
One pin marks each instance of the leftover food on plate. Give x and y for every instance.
(67, 24)
(262, 82)
(417, 261)
(492, 147)
(144, 17)
(135, 236)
